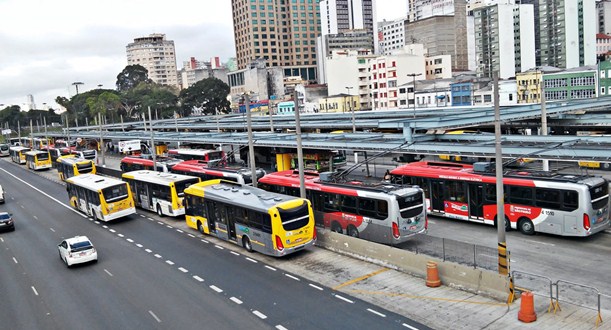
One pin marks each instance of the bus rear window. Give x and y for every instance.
(182, 185)
(84, 168)
(600, 195)
(115, 193)
(294, 218)
(410, 205)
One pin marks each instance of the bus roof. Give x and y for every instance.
(248, 196)
(201, 166)
(72, 159)
(19, 148)
(147, 161)
(94, 181)
(290, 178)
(36, 152)
(187, 151)
(163, 178)
(465, 172)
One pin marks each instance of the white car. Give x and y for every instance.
(77, 250)
(1, 195)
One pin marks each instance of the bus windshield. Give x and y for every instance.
(182, 185)
(115, 193)
(43, 156)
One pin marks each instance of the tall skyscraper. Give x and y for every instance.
(568, 33)
(604, 16)
(281, 32)
(344, 20)
(157, 55)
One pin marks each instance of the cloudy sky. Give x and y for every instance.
(45, 46)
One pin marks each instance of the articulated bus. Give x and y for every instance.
(18, 154)
(256, 219)
(4, 150)
(69, 166)
(241, 175)
(38, 160)
(100, 197)
(160, 192)
(162, 164)
(379, 212)
(199, 154)
(547, 202)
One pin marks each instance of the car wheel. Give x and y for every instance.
(159, 213)
(246, 244)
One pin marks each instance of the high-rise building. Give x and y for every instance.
(157, 55)
(342, 20)
(501, 50)
(568, 33)
(392, 35)
(604, 16)
(421, 9)
(281, 32)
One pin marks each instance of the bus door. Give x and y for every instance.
(144, 195)
(437, 196)
(476, 201)
(231, 216)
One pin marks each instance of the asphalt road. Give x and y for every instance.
(150, 274)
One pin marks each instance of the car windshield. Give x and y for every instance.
(4, 216)
(80, 246)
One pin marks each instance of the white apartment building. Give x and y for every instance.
(438, 67)
(604, 16)
(421, 9)
(388, 72)
(508, 94)
(392, 35)
(156, 54)
(503, 50)
(349, 74)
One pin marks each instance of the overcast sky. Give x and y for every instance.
(45, 45)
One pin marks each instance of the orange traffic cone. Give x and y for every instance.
(432, 275)
(527, 308)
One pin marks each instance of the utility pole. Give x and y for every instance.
(302, 190)
(101, 140)
(351, 109)
(414, 75)
(544, 121)
(251, 146)
(503, 263)
(153, 151)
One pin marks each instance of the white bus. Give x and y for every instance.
(100, 197)
(38, 160)
(160, 192)
(18, 154)
(4, 150)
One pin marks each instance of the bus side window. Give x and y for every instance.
(570, 200)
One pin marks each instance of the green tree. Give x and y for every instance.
(209, 94)
(131, 76)
(136, 101)
(107, 103)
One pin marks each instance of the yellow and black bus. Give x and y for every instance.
(69, 166)
(100, 197)
(38, 160)
(18, 154)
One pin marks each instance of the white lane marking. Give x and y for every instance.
(219, 247)
(260, 315)
(180, 231)
(235, 253)
(121, 235)
(142, 215)
(376, 312)
(96, 222)
(139, 245)
(183, 270)
(236, 300)
(1, 239)
(157, 256)
(155, 317)
(161, 223)
(169, 226)
(112, 230)
(130, 240)
(409, 326)
(53, 230)
(316, 287)
(105, 226)
(34, 289)
(199, 279)
(107, 272)
(45, 194)
(148, 250)
(280, 327)
(22, 207)
(203, 240)
(252, 260)
(151, 219)
(216, 288)
(169, 262)
(344, 299)
(291, 276)
(270, 267)
(35, 217)
(191, 235)
(15, 260)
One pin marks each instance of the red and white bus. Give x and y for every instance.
(198, 154)
(162, 164)
(241, 175)
(561, 204)
(378, 212)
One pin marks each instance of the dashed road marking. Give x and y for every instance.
(130, 240)
(15, 260)
(235, 253)
(121, 235)
(157, 256)
(252, 260)
(148, 250)
(180, 231)
(375, 312)
(409, 326)
(236, 300)
(109, 273)
(169, 262)
(260, 315)
(219, 247)
(315, 287)
(155, 317)
(34, 289)
(216, 288)
(291, 276)
(112, 230)
(139, 245)
(197, 278)
(280, 327)
(53, 230)
(344, 299)
(183, 270)
(270, 267)
(191, 235)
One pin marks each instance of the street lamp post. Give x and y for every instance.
(348, 88)
(414, 75)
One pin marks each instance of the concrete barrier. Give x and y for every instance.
(479, 281)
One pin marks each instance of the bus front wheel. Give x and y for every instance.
(200, 228)
(159, 213)
(246, 244)
(353, 232)
(336, 227)
(526, 226)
